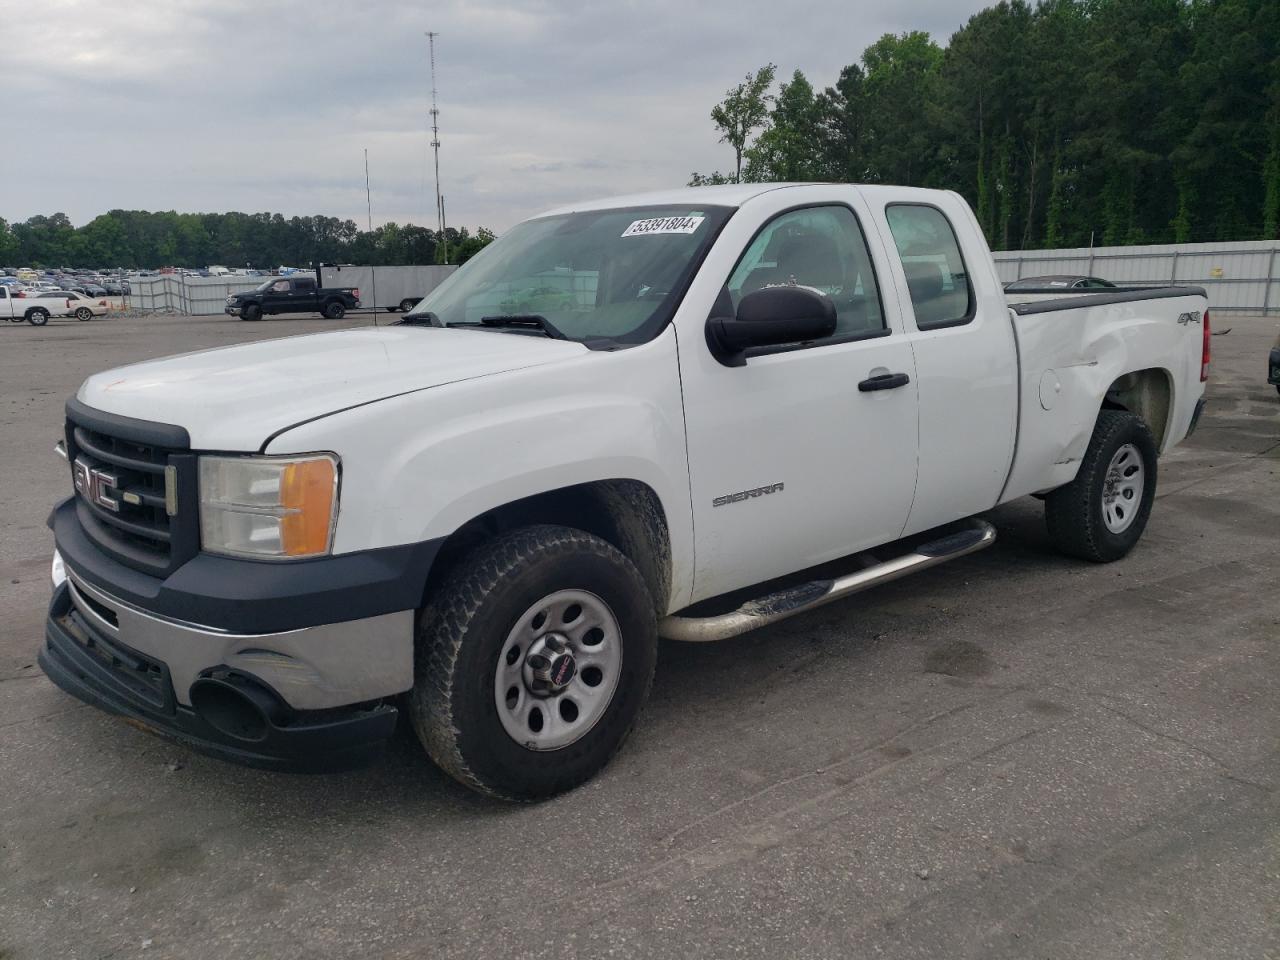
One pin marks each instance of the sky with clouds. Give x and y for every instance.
(217, 105)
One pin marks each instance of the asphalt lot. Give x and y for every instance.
(1013, 755)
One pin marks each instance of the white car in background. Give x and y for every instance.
(68, 303)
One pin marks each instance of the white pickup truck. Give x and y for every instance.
(17, 309)
(684, 414)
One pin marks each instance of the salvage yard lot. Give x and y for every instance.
(1013, 755)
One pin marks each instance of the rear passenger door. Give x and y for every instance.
(966, 359)
(304, 294)
(791, 462)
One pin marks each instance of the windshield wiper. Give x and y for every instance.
(417, 319)
(517, 321)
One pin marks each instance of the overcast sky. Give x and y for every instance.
(217, 105)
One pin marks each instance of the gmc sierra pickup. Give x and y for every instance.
(684, 414)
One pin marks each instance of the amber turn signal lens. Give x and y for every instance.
(306, 493)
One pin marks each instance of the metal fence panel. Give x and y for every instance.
(191, 295)
(1243, 277)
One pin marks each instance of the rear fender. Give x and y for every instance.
(1072, 362)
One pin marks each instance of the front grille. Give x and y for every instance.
(122, 501)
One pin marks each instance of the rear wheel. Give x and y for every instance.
(533, 662)
(38, 317)
(251, 311)
(407, 304)
(84, 313)
(334, 310)
(1101, 514)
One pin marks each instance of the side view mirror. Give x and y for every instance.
(771, 317)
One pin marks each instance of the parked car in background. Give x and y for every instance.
(295, 294)
(116, 288)
(1056, 283)
(79, 305)
(89, 288)
(18, 308)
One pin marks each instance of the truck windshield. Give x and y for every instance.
(615, 275)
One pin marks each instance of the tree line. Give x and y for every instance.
(145, 240)
(1062, 123)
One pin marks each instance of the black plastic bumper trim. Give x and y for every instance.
(1195, 417)
(339, 739)
(253, 596)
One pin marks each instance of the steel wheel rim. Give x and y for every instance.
(536, 711)
(1122, 489)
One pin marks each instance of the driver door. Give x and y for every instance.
(796, 458)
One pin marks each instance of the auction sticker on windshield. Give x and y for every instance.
(663, 225)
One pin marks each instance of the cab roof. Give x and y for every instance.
(720, 195)
(736, 195)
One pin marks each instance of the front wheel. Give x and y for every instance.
(334, 310)
(1101, 514)
(38, 317)
(251, 311)
(84, 313)
(533, 662)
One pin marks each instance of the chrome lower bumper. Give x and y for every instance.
(312, 668)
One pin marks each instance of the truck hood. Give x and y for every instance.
(234, 398)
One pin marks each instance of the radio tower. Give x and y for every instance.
(435, 145)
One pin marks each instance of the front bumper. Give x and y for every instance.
(84, 656)
(232, 309)
(319, 646)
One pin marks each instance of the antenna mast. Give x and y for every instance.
(435, 145)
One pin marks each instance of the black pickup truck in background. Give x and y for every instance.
(295, 294)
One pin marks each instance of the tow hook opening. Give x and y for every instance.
(238, 706)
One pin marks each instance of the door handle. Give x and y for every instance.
(885, 381)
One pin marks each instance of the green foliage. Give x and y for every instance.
(742, 111)
(786, 148)
(141, 239)
(1062, 122)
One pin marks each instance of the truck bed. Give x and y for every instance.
(1072, 347)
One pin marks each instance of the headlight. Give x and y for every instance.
(268, 507)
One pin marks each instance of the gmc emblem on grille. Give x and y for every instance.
(93, 484)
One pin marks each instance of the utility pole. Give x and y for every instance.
(435, 145)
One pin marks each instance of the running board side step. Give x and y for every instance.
(806, 596)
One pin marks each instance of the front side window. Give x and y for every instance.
(609, 275)
(819, 247)
(936, 276)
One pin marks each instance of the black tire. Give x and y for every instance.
(38, 317)
(462, 633)
(334, 310)
(408, 303)
(84, 313)
(251, 311)
(1074, 513)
